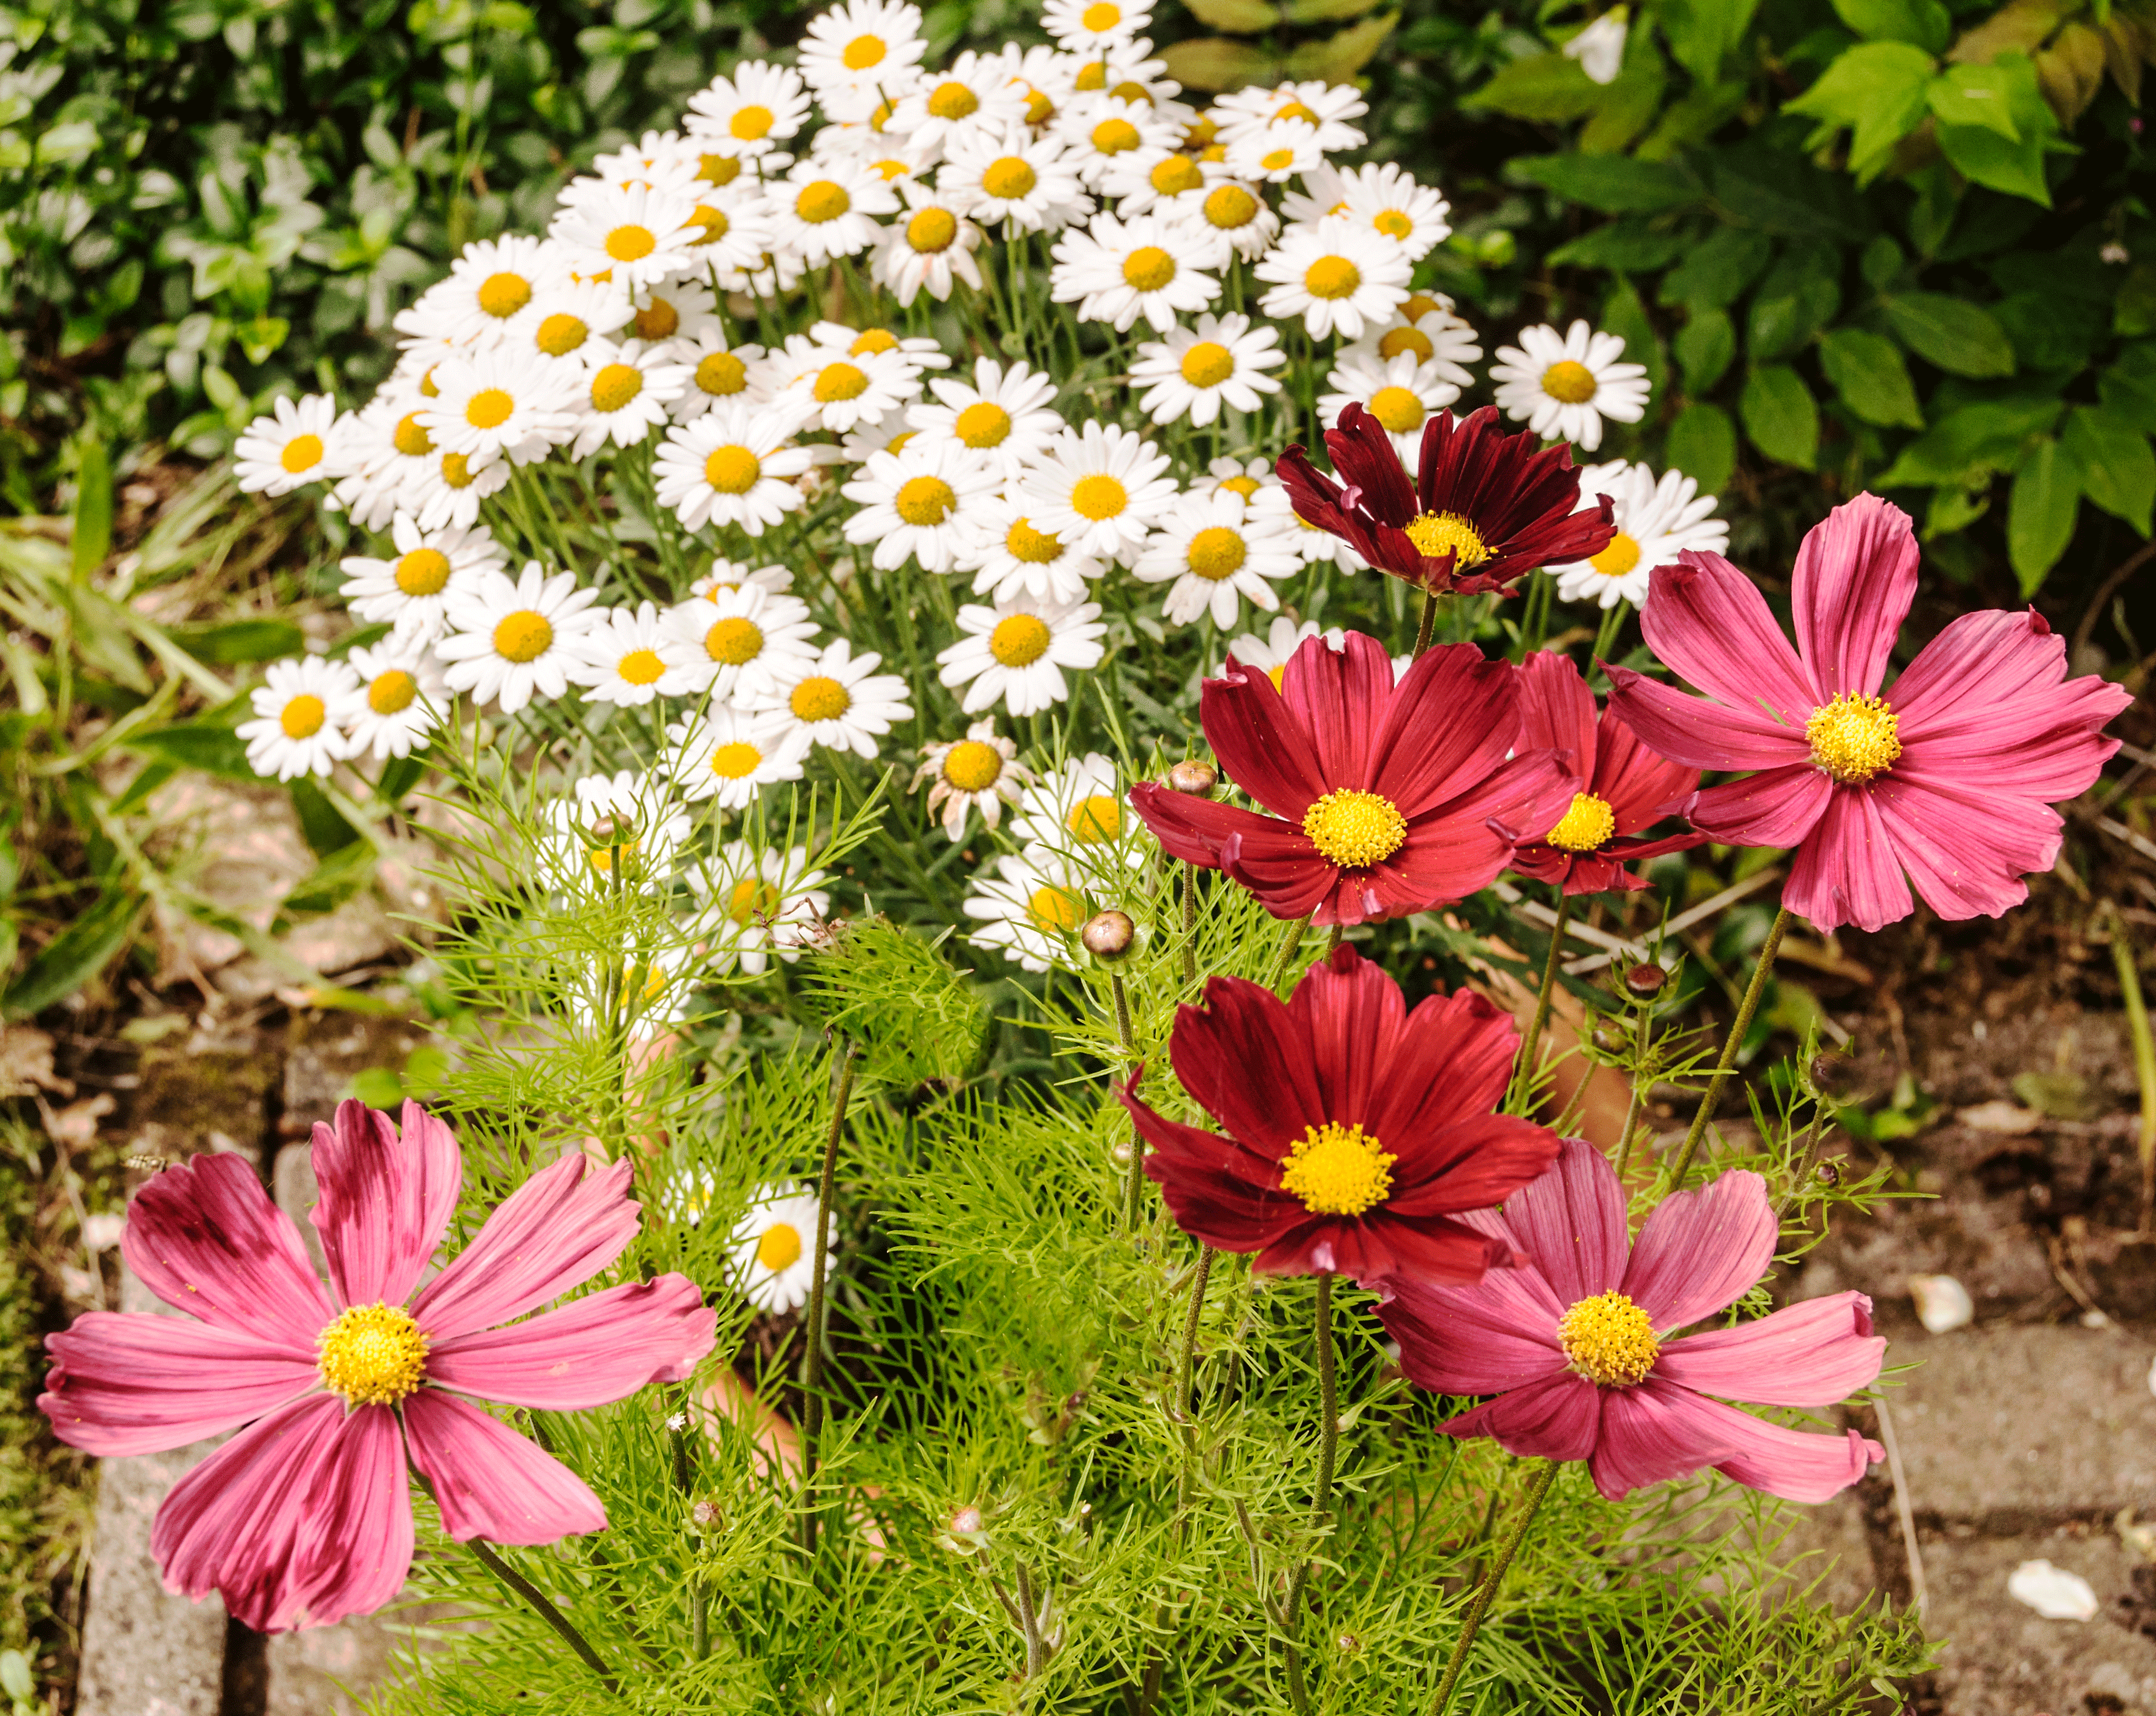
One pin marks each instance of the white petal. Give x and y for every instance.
(2052, 1592)
(1942, 1302)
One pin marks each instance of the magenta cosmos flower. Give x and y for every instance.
(1950, 776)
(304, 1516)
(1386, 798)
(1629, 788)
(1356, 1131)
(1576, 1345)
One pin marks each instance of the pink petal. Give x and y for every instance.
(1811, 1354)
(1701, 1251)
(204, 1236)
(555, 1232)
(1855, 576)
(1711, 624)
(302, 1519)
(1699, 732)
(1451, 723)
(1557, 1418)
(1982, 663)
(1652, 1433)
(1797, 1465)
(386, 1199)
(490, 1481)
(130, 1383)
(589, 1353)
(1556, 710)
(1778, 807)
(1336, 698)
(1500, 1334)
(1966, 851)
(1571, 1223)
(2024, 749)
(1845, 871)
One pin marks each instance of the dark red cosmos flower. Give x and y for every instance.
(1629, 787)
(1386, 799)
(1486, 507)
(1355, 1130)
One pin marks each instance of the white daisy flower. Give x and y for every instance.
(889, 436)
(1031, 907)
(925, 501)
(1116, 271)
(749, 112)
(1099, 127)
(1046, 76)
(296, 445)
(1269, 654)
(733, 465)
(446, 497)
(1006, 417)
(759, 902)
(977, 772)
(387, 451)
(1283, 150)
(566, 319)
(1031, 184)
(679, 310)
(1246, 477)
(489, 285)
(772, 1245)
(1013, 559)
(302, 711)
(1599, 48)
(635, 237)
(779, 273)
(1198, 372)
(826, 209)
(1656, 521)
(1565, 386)
(498, 403)
(1130, 74)
(626, 392)
(1328, 108)
(1436, 337)
(1077, 810)
(625, 822)
(729, 754)
(656, 158)
(1231, 219)
(1338, 278)
(717, 373)
(1015, 653)
(928, 247)
(1399, 392)
(837, 699)
(973, 93)
(1381, 196)
(411, 590)
(512, 642)
(1098, 488)
(1094, 27)
(861, 44)
(1155, 180)
(402, 696)
(727, 575)
(732, 232)
(920, 350)
(1214, 549)
(618, 660)
(838, 393)
(732, 642)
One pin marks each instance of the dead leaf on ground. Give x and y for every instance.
(26, 1063)
(2008, 1119)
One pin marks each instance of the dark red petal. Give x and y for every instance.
(1188, 827)
(1473, 1163)
(1246, 1059)
(1557, 711)
(1363, 454)
(1453, 718)
(1350, 1015)
(1262, 745)
(1451, 1057)
(1336, 700)
(1278, 864)
(1640, 785)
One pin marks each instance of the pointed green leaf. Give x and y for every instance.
(2039, 513)
(1780, 418)
(1868, 373)
(1958, 336)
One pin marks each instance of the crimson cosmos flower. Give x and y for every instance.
(1386, 798)
(1951, 777)
(1575, 1343)
(1485, 508)
(1358, 1131)
(1628, 788)
(304, 1516)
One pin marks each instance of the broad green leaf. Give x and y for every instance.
(320, 822)
(2039, 513)
(199, 744)
(1700, 33)
(1340, 58)
(1798, 298)
(1973, 95)
(1969, 442)
(1322, 11)
(1625, 316)
(1780, 418)
(91, 537)
(75, 956)
(1613, 183)
(2136, 312)
(2119, 469)
(1716, 272)
(2011, 164)
(1702, 443)
(1958, 336)
(1877, 90)
(1628, 105)
(339, 876)
(1776, 190)
(240, 641)
(2128, 387)
(1240, 18)
(1543, 86)
(1925, 24)
(399, 776)
(2051, 329)
(1216, 64)
(1625, 247)
(1868, 373)
(1705, 348)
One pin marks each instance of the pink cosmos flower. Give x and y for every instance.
(1575, 1343)
(304, 1516)
(1952, 777)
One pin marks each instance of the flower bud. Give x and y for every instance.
(1827, 1174)
(965, 1522)
(707, 1516)
(1108, 936)
(1196, 778)
(1644, 981)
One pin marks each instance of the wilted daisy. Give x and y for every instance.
(447, 496)
(974, 94)
(842, 390)
(501, 403)
(733, 465)
(633, 236)
(1399, 392)
(977, 772)
(1275, 152)
(410, 589)
(1012, 558)
(1656, 521)
(828, 208)
(1015, 653)
(1099, 489)
(1076, 809)
(566, 319)
(1198, 372)
(838, 699)
(1428, 330)
(511, 640)
(618, 659)
(758, 902)
(1230, 220)
(732, 643)
(729, 754)
(489, 285)
(296, 445)
(771, 1245)
(1212, 551)
(1031, 184)
(302, 711)
(925, 501)
(1098, 127)
(1565, 386)
(1030, 907)
(716, 373)
(401, 693)
(749, 111)
(1006, 417)
(1336, 277)
(626, 392)
(931, 245)
(1327, 107)
(861, 44)
(622, 829)
(1386, 198)
(1116, 271)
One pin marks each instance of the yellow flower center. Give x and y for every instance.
(615, 386)
(640, 667)
(1399, 340)
(1148, 267)
(752, 897)
(561, 333)
(630, 242)
(1276, 161)
(1034, 547)
(1336, 1170)
(924, 502)
(303, 716)
(391, 693)
(1355, 829)
(872, 339)
(1441, 533)
(457, 472)
(1244, 486)
(1038, 108)
(839, 381)
(717, 169)
(863, 52)
(898, 442)
(372, 1355)
(427, 390)
(302, 452)
(1418, 305)
(1216, 552)
(657, 320)
(734, 642)
(502, 295)
(711, 224)
(1009, 178)
(410, 436)
(1585, 826)
(1096, 819)
(422, 573)
(819, 697)
(1297, 110)
(1101, 15)
(1114, 136)
(1099, 496)
(1207, 364)
(602, 858)
(751, 124)
(932, 231)
(821, 202)
(488, 408)
(1619, 558)
(983, 424)
(1018, 641)
(1609, 1340)
(780, 1247)
(1229, 206)
(1174, 175)
(1094, 76)
(1398, 409)
(1572, 382)
(1200, 131)
(1331, 277)
(952, 100)
(972, 766)
(524, 635)
(1853, 737)
(720, 373)
(732, 470)
(1393, 223)
(736, 760)
(1134, 93)
(1052, 908)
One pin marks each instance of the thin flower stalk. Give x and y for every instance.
(812, 1376)
(1539, 1484)
(1739, 1028)
(541, 1606)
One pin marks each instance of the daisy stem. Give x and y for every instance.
(1289, 943)
(1428, 625)
(811, 1370)
(546, 1612)
(1523, 1075)
(1538, 1488)
(1189, 922)
(1738, 1030)
(1605, 635)
(1320, 1499)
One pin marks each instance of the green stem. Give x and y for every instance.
(1289, 943)
(1320, 1500)
(1190, 924)
(811, 1379)
(1428, 624)
(1186, 1376)
(2145, 1062)
(1738, 1030)
(1538, 1488)
(1642, 1043)
(546, 1612)
(1605, 635)
(1134, 1189)
(1523, 1075)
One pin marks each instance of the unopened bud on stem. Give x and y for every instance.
(1644, 981)
(1108, 936)
(1194, 777)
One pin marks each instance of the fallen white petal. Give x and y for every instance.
(1942, 1302)
(2052, 1592)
